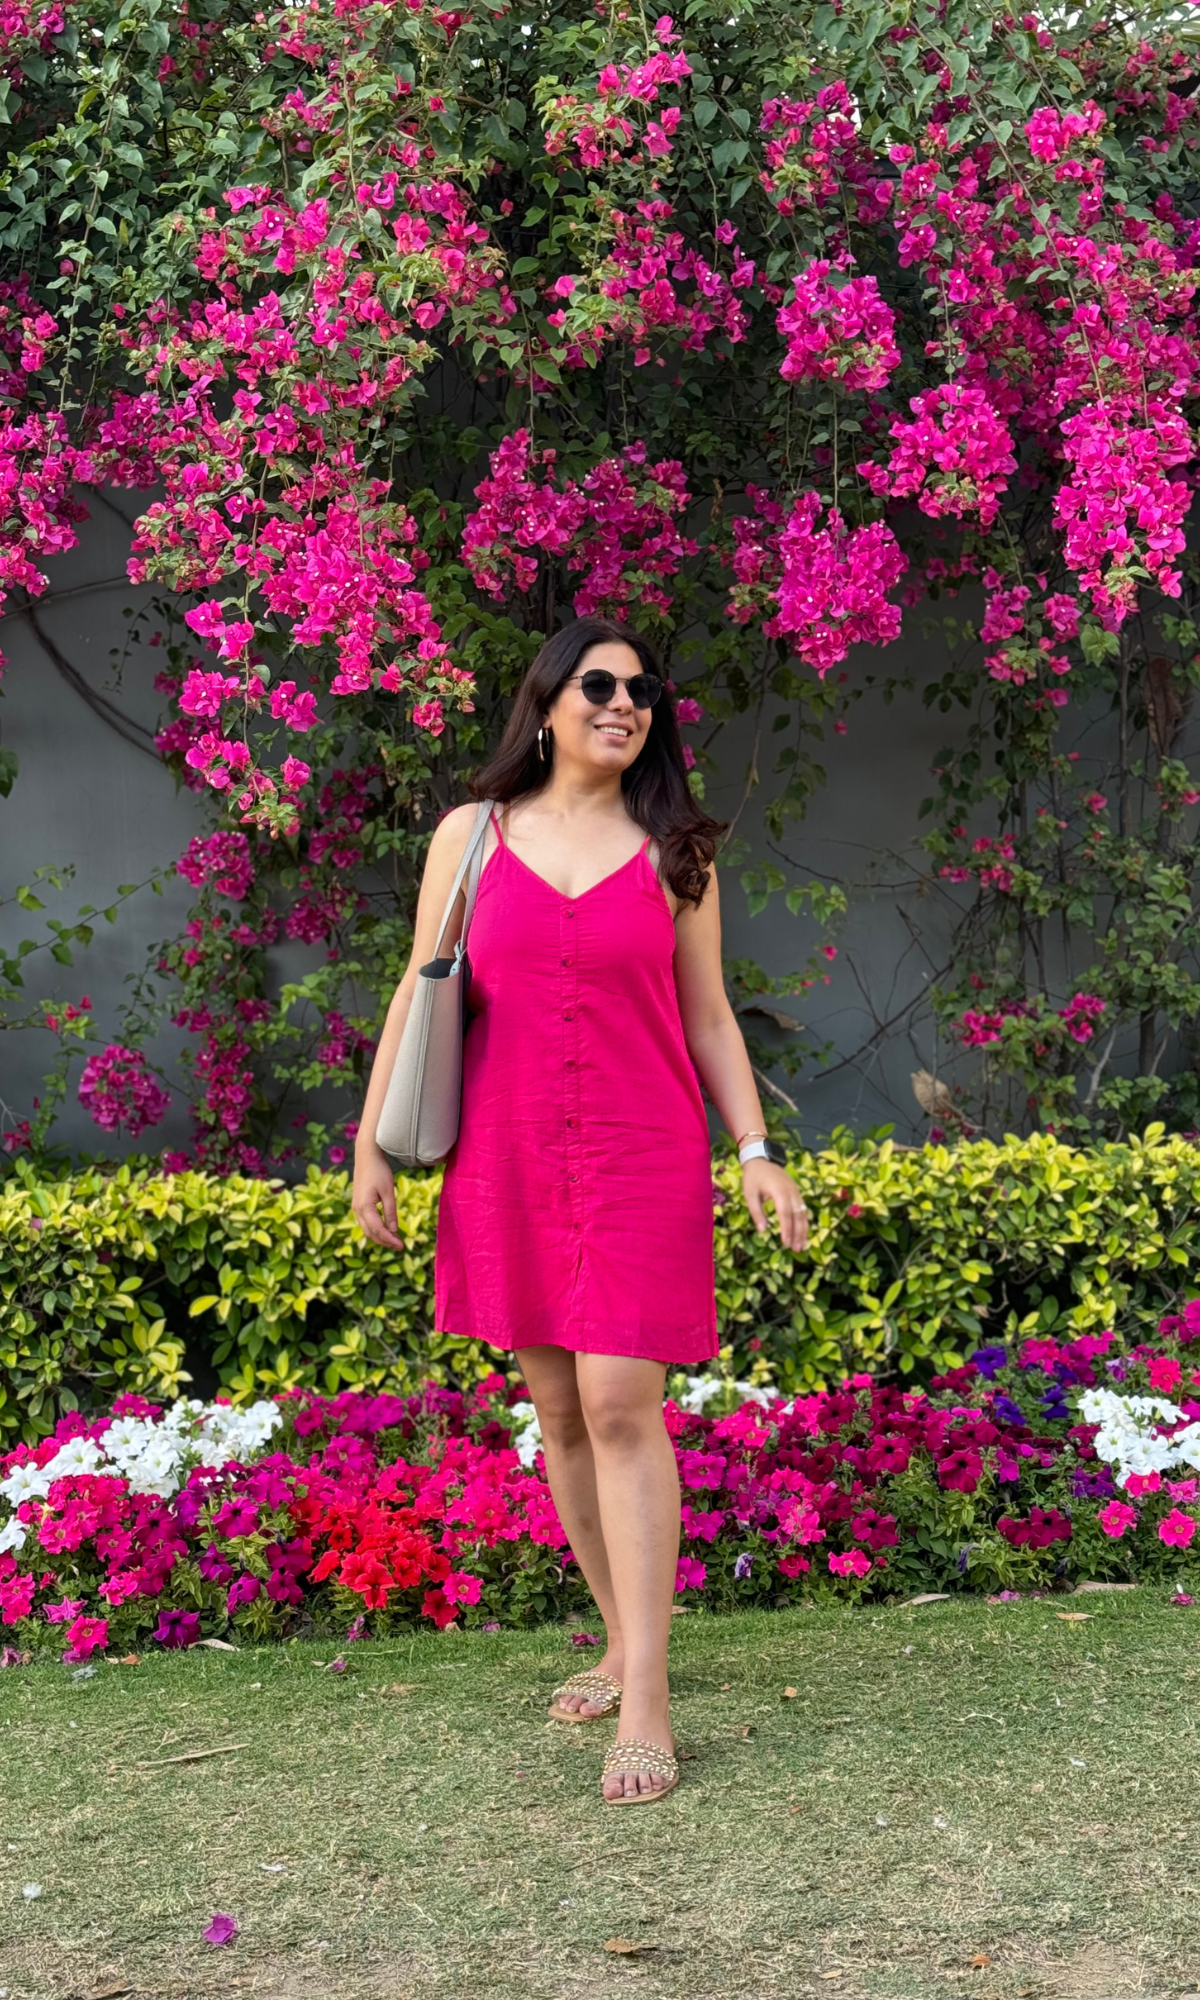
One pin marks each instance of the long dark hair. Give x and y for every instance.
(655, 784)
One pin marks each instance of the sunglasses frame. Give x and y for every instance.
(627, 681)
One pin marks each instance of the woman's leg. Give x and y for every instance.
(638, 1487)
(571, 1471)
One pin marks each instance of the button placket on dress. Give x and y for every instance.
(568, 971)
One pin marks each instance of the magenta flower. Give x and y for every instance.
(961, 1470)
(61, 1614)
(86, 1636)
(690, 1574)
(177, 1629)
(1165, 1373)
(1177, 1529)
(1116, 1518)
(119, 1092)
(213, 1566)
(221, 1929)
(853, 1563)
(461, 1587)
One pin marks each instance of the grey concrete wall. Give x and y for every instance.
(85, 795)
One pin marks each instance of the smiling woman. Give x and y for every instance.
(576, 1218)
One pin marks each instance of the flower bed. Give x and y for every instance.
(1027, 1468)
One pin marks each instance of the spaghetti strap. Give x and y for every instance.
(496, 824)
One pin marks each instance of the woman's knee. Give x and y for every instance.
(618, 1420)
(562, 1422)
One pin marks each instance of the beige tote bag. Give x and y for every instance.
(419, 1121)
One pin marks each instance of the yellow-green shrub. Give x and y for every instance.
(132, 1280)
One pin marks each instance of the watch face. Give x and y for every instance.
(776, 1153)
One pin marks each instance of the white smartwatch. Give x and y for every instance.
(754, 1149)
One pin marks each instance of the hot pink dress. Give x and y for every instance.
(577, 1208)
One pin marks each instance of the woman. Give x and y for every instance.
(575, 1224)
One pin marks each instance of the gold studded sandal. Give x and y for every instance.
(593, 1686)
(635, 1754)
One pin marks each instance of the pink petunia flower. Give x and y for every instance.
(1116, 1519)
(853, 1563)
(1177, 1529)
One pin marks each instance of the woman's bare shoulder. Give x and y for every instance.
(452, 832)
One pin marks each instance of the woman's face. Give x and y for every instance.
(608, 738)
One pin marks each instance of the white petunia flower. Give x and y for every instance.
(78, 1455)
(157, 1468)
(12, 1535)
(24, 1482)
(529, 1443)
(700, 1390)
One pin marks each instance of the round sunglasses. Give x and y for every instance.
(599, 686)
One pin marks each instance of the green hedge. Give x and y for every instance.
(132, 1280)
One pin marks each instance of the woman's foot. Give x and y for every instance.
(649, 1722)
(581, 1704)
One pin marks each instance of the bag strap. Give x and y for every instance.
(469, 867)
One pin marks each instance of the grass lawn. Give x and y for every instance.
(951, 1782)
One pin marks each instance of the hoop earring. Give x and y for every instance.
(543, 742)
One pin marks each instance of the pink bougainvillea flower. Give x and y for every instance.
(220, 1929)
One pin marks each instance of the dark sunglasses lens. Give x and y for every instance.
(644, 690)
(598, 686)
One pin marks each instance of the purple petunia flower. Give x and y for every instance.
(990, 1360)
(177, 1628)
(742, 1566)
(213, 1566)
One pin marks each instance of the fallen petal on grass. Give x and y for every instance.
(221, 1929)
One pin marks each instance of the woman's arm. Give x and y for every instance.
(374, 1181)
(715, 1045)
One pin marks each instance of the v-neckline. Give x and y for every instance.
(503, 846)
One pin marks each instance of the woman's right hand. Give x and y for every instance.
(375, 1190)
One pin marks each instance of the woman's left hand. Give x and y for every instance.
(764, 1182)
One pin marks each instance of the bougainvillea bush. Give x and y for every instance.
(1029, 1467)
(413, 330)
(152, 1283)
